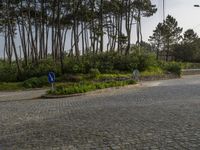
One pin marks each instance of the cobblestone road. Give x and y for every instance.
(158, 115)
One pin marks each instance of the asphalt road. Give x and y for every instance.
(155, 115)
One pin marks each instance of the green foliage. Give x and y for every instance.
(87, 67)
(146, 61)
(172, 67)
(190, 36)
(109, 62)
(71, 78)
(40, 69)
(88, 86)
(126, 63)
(106, 77)
(8, 73)
(184, 52)
(35, 82)
(166, 35)
(72, 65)
(188, 51)
(190, 65)
(12, 86)
(153, 71)
(106, 62)
(94, 73)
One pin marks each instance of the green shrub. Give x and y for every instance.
(40, 69)
(8, 73)
(73, 66)
(153, 71)
(4, 86)
(93, 64)
(76, 88)
(70, 78)
(126, 63)
(43, 81)
(94, 73)
(172, 67)
(35, 82)
(190, 65)
(105, 77)
(146, 61)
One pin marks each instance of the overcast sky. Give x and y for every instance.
(183, 10)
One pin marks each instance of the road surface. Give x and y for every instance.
(155, 115)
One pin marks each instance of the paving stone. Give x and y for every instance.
(159, 117)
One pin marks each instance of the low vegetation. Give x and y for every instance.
(98, 71)
(84, 87)
(12, 86)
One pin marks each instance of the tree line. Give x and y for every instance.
(170, 43)
(42, 27)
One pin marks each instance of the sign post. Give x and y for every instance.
(51, 79)
(136, 74)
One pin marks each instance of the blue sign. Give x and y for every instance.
(51, 77)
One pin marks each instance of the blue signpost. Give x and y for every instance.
(52, 79)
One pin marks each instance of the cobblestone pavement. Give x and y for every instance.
(21, 95)
(159, 115)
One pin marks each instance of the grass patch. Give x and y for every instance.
(190, 65)
(13, 86)
(84, 87)
(28, 84)
(153, 71)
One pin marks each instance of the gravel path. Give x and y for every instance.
(156, 115)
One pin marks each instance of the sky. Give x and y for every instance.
(184, 11)
(186, 14)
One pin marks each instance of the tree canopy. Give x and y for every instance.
(42, 27)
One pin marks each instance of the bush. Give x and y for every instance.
(173, 67)
(126, 63)
(70, 78)
(8, 73)
(40, 69)
(92, 64)
(105, 62)
(190, 65)
(116, 77)
(146, 61)
(35, 82)
(94, 73)
(4, 86)
(153, 71)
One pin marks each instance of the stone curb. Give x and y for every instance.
(46, 96)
